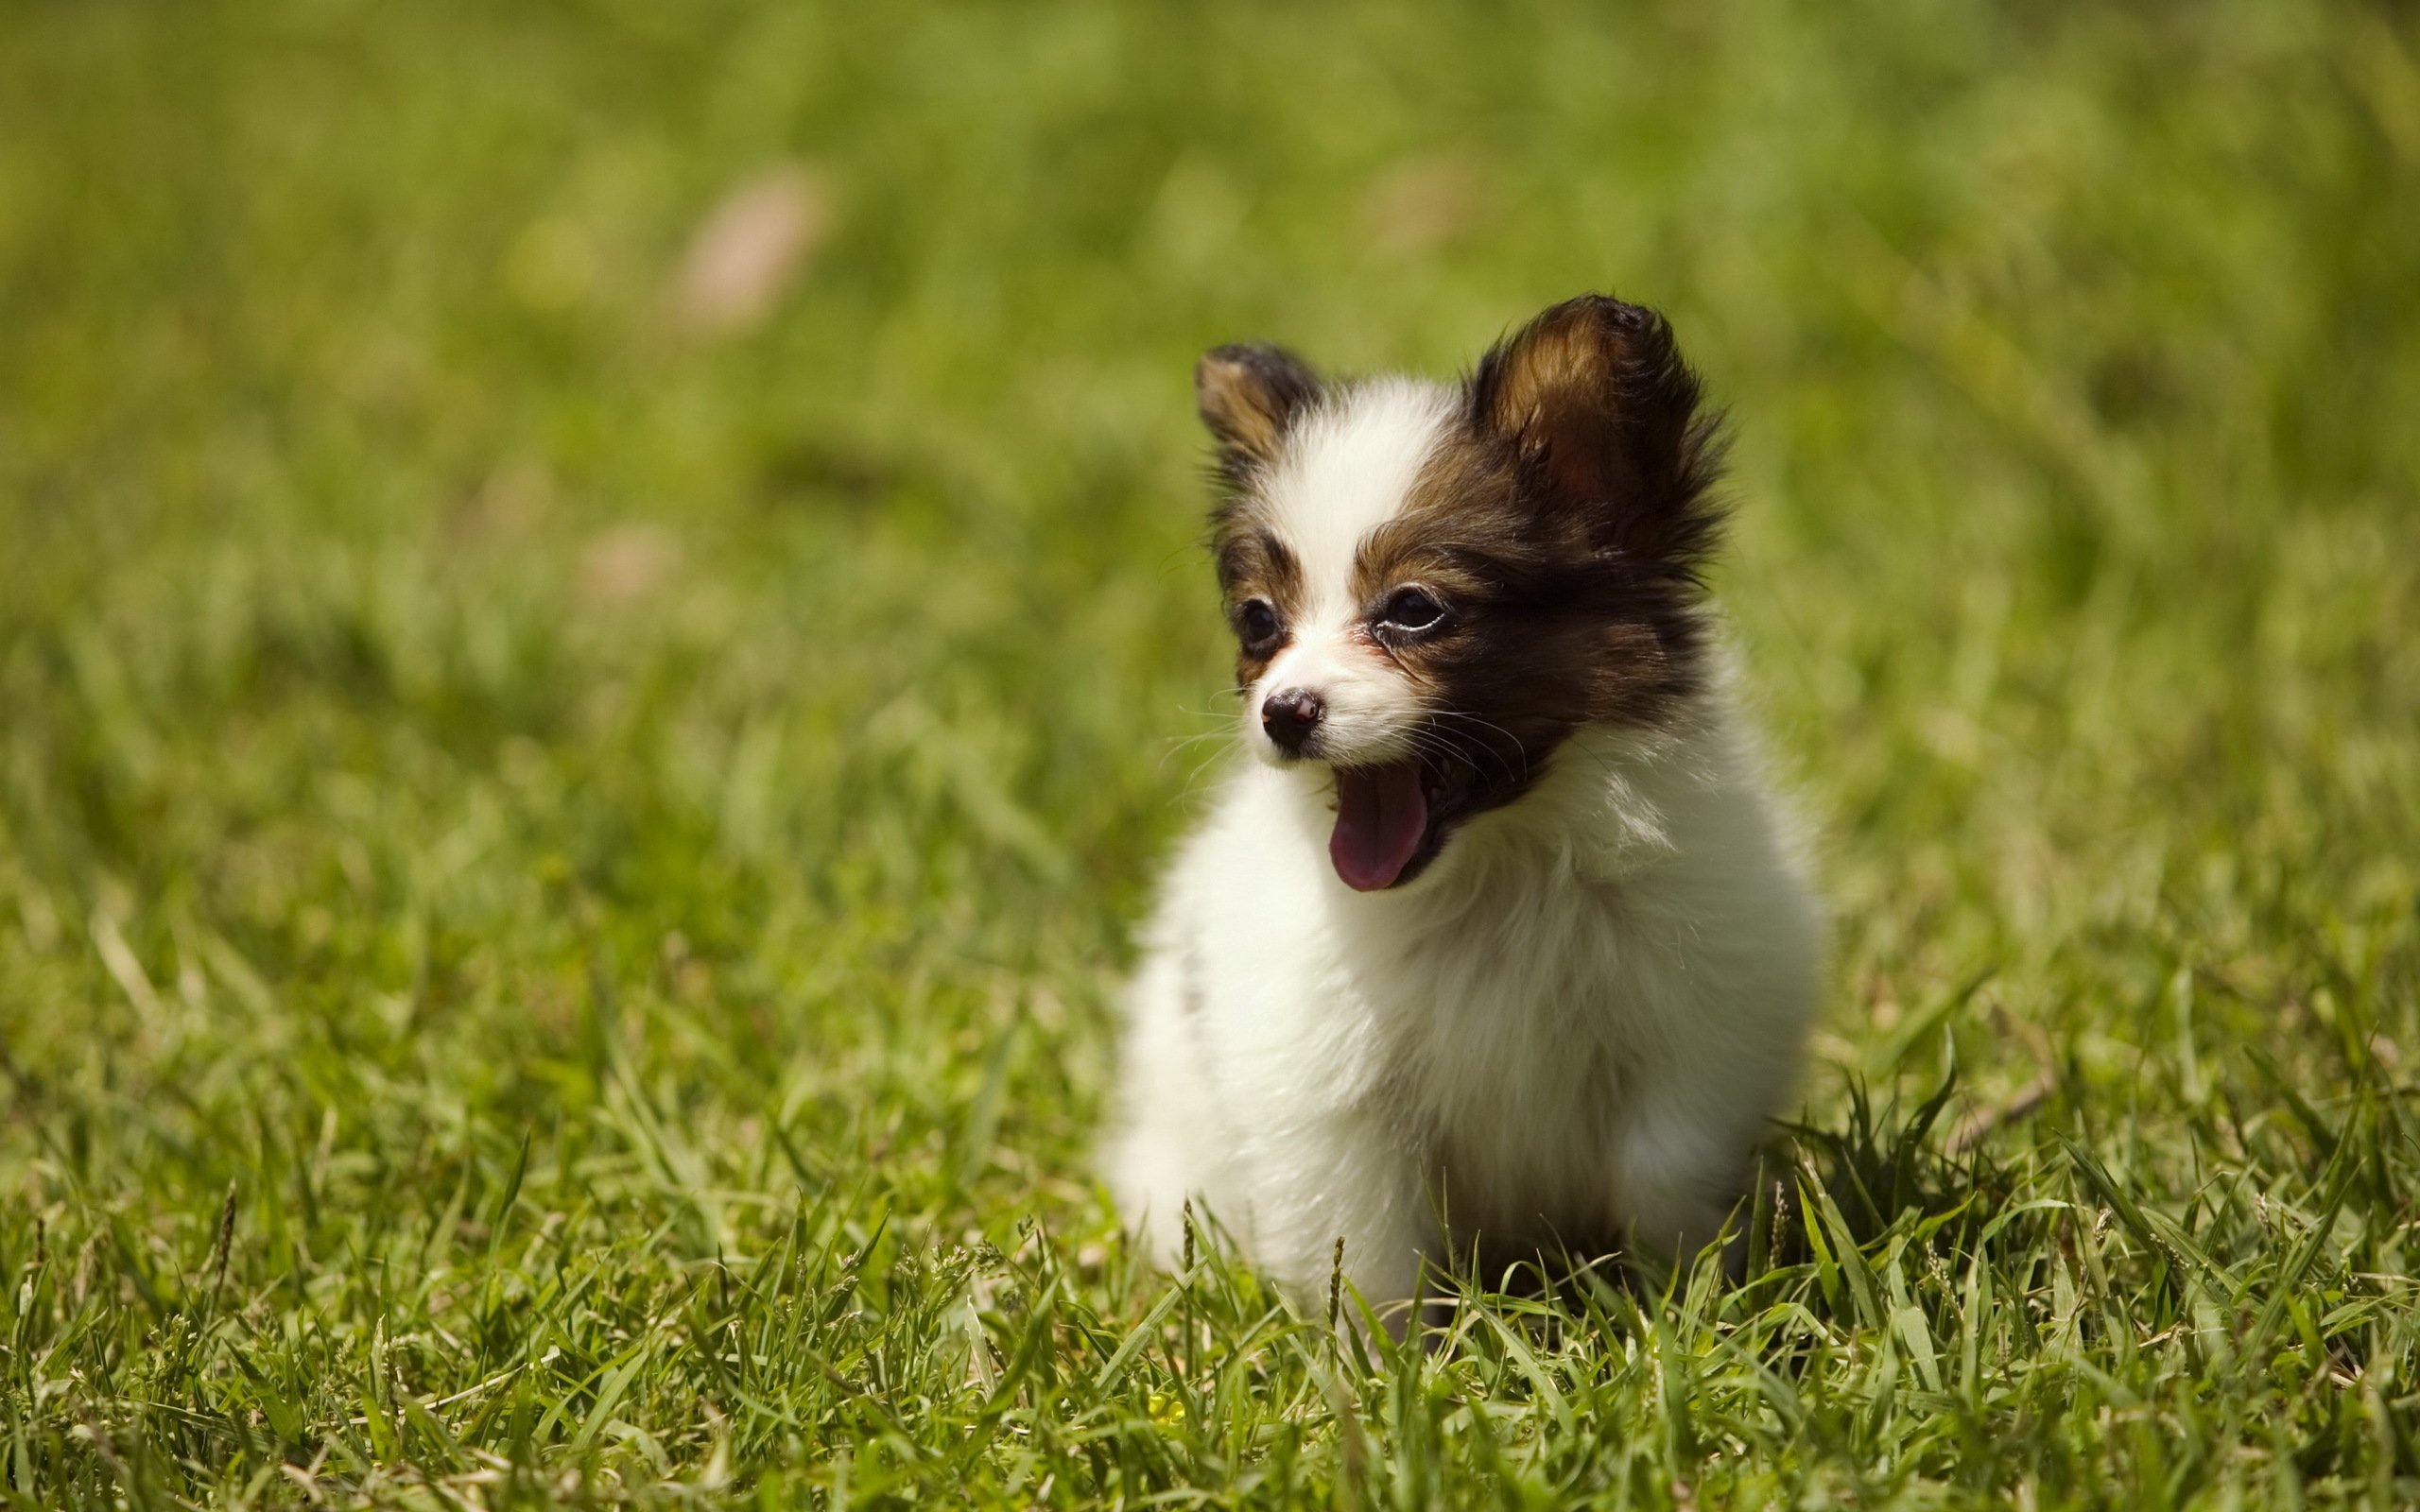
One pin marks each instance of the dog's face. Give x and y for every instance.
(1432, 588)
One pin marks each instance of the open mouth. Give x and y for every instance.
(1391, 821)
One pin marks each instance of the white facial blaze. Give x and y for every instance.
(1348, 471)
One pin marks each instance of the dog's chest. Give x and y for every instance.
(1478, 1013)
(1501, 1016)
(1509, 1038)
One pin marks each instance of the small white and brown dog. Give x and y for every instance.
(1499, 946)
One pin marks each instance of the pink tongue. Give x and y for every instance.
(1380, 816)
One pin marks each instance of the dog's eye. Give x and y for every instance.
(1413, 608)
(1257, 622)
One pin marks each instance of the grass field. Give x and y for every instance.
(570, 809)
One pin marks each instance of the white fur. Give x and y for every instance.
(1580, 1016)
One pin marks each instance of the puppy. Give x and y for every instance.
(1497, 945)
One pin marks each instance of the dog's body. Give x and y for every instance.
(1500, 946)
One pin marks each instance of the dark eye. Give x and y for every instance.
(1413, 608)
(1257, 622)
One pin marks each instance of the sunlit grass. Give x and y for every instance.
(566, 842)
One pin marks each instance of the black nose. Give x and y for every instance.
(1290, 717)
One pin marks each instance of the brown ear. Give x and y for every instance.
(1603, 412)
(1249, 395)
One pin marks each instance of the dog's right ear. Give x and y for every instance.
(1250, 396)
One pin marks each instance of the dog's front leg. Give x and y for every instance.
(1349, 1181)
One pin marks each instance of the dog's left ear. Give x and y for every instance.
(1603, 414)
(1249, 397)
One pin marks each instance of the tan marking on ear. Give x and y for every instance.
(1249, 395)
(1561, 361)
(1235, 408)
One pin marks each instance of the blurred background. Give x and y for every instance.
(626, 576)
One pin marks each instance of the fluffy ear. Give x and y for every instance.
(1603, 414)
(1248, 396)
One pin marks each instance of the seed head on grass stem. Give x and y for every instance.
(1335, 1283)
(226, 1241)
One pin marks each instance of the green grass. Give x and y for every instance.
(562, 881)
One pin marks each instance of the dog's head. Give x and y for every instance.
(1433, 588)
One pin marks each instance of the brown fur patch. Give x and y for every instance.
(1563, 523)
(1254, 564)
(1252, 397)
